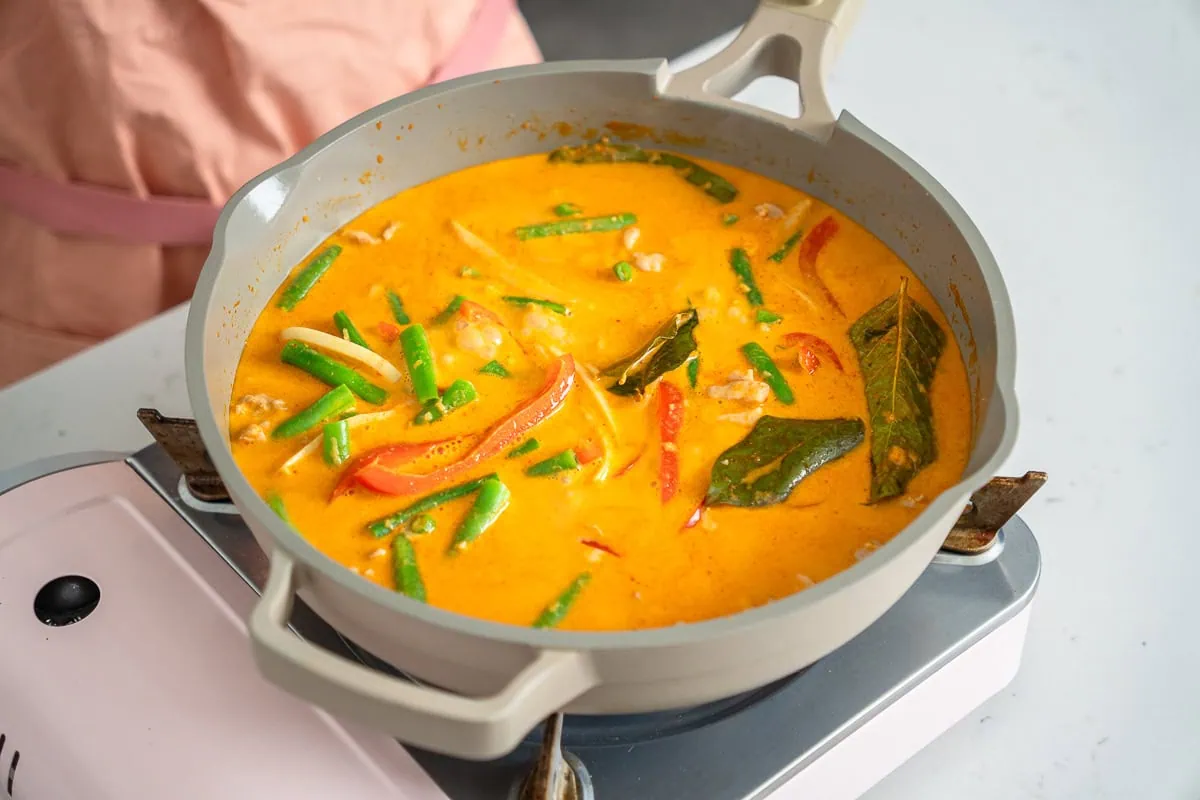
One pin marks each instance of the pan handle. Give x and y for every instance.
(796, 39)
(466, 727)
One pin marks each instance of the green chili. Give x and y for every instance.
(422, 524)
(557, 308)
(556, 611)
(333, 373)
(623, 270)
(276, 504)
(408, 575)
(741, 267)
(567, 210)
(335, 443)
(330, 405)
(385, 525)
(528, 446)
(346, 329)
(762, 362)
(307, 278)
(489, 504)
(446, 313)
(693, 371)
(398, 312)
(553, 465)
(729, 219)
(495, 368)
(419, 359)
(611, 222)
(785, 248)
(769, 317)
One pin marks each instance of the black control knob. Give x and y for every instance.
(66, 600)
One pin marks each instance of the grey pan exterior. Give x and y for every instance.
(502, 679)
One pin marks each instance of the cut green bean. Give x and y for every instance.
(307, 278)
(469, 272)
(446, 313)
(611, 222)
(419, 359)
(623, 270)
(276, 504)
(779, 255)
(457, 395)
(758, 358)
(408, 575)
(556, 611)
(333, 373)
(385, 525)
(346, 329)
(330, 405)
(729, 219)
(422, 524)
(495, 368)
(489, 504)
(553, 465)
(527, 446)
(567, 210)
(769, 317)
(550, 305)
(741, 267)
(607, 153)
(693, 371)
(335, 443)
(397, 306)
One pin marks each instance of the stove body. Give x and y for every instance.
(152, 692)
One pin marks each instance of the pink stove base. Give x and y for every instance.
(154, 695)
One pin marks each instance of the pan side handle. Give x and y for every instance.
(466, 727)
(795, 39)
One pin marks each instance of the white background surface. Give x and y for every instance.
(1071, 134)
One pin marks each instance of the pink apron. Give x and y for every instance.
(87, 260)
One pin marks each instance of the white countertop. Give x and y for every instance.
(1072, 137)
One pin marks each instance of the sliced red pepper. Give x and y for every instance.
(473, 312)
(388, 332)
(810, 247)
(402, 453)
(381, 474)
(592, 543)
(588, 451)
(670, 420)
(812, 350)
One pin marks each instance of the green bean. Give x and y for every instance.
(330, 405)
(729, 219)
(335, 443)
(333, 373)
(489, 504)
(741, 267)
(762, 362)
(553, 465)
(307, 278)
(419, 359)
(398, 312)
(567, 210)
(611, 222)
(385, 525)
(623, 270)
(768, 317)
(276, 504)
(606, 153)
(469, 272)
(408, 575)
(457, 395)
(346, 329)
(556, 611)
(422, 524)
(779, 255)
(495, 368)
(693, 371)
(446, 313)
(557, 308)
(528, 446)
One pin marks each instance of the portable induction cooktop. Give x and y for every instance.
(126, 672)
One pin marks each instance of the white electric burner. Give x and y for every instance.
(125, 672)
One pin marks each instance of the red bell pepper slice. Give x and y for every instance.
(670, 420)
(394, 454)
(812, 349)
(595, 545)
(588, 451)
(810, 247)
(381, 473)
(473, 312)
(388, 332)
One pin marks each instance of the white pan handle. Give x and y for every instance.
(796, 39)
(466, 727)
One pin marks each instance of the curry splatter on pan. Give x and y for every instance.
(498, 681)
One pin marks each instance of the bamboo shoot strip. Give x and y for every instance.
(419, 359)
(489, 504)
(333, 373)
(345, 327)
(330, 405)
(307, 278)
(557, 611)
(612, 222)
(550, 305)
(408, 575)
(758, 358)
(397, 305)
(385, 525)
(740, 263)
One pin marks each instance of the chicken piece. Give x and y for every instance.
(253, 433)
(483, 338)
(768, 211)
(630, 236)
(746, 418)
(360, 237)
(259, 404)
(649, 262)
(743, 386)
(538, 324)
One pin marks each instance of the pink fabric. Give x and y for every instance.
(127, 124)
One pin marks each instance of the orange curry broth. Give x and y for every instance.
(735, 558)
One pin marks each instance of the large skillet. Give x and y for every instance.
(501, 680)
